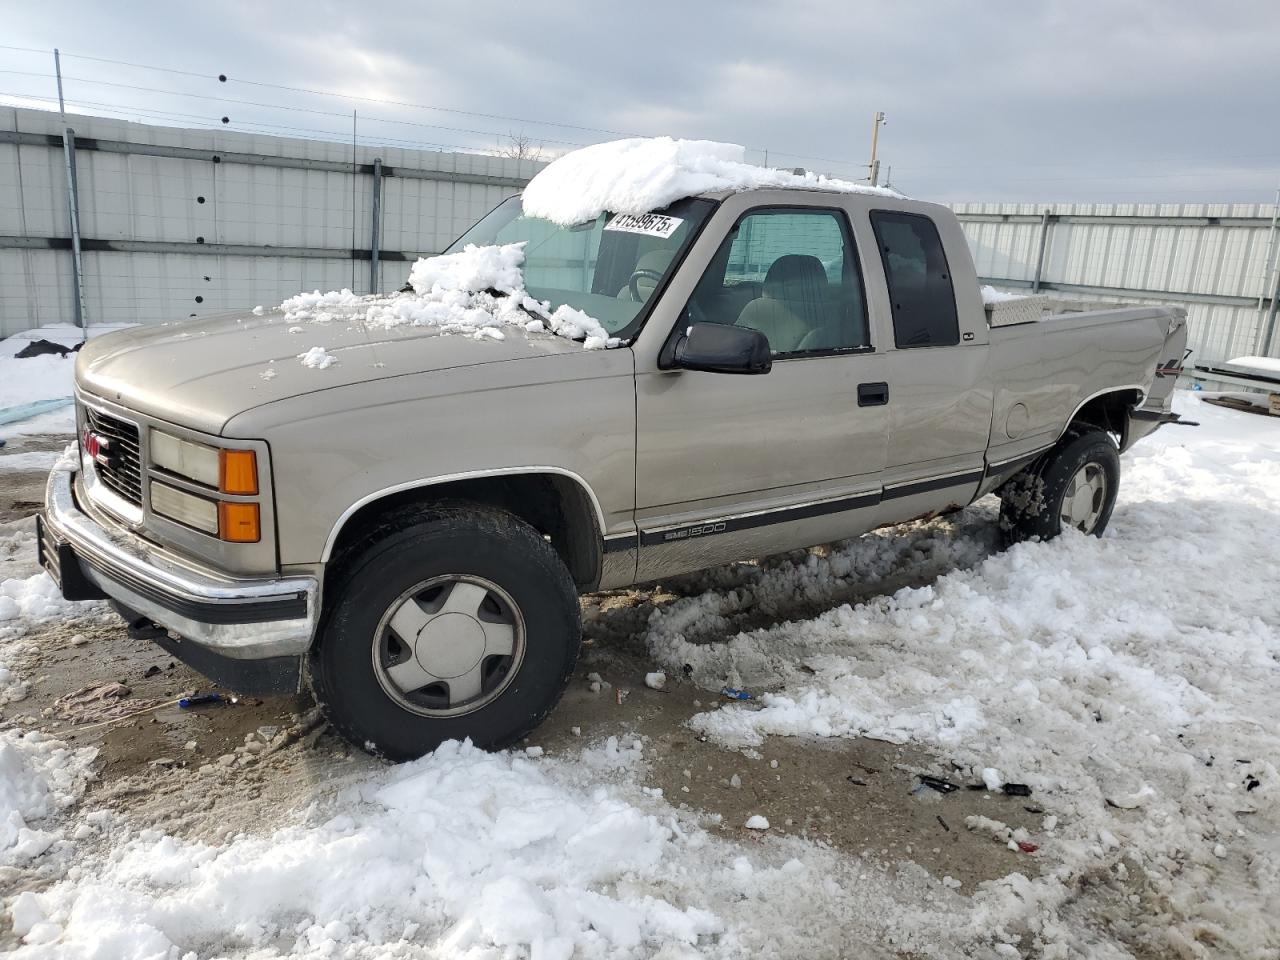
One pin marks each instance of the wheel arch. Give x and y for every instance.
(1107, 410)
(558, 503)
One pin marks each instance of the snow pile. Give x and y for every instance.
(39, 777)
(1130, 681)
(475, 292)
(991, 295)
(433, 852)
(314, 357)
(470, 854)
(28, 600)
(35, 380)
(643, 174)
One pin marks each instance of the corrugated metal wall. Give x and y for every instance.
(236, 195)
(1214, 259)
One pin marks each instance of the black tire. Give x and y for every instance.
(411, 547)
(1031, 502)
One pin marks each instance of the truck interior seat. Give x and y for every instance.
(794, 306)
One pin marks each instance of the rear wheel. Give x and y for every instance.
(448, 622)
(1072, 486)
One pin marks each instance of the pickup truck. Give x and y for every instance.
(405, 519)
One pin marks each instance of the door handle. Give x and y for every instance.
(873, 394)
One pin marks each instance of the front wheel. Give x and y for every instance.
(1072, 486)
(449, 621)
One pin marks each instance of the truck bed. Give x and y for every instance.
(1045, 370)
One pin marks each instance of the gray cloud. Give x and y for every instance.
(1091, 100)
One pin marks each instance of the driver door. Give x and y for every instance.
(731, 466)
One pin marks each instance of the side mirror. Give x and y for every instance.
(723, 348)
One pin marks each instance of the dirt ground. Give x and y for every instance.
(246, 763)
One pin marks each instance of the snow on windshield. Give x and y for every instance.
(647, 173)
(475, 292)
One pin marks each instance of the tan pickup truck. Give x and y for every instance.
(408, 528)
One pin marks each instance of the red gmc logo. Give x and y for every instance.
(98, 449)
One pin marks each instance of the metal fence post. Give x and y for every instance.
(1044, 239)
(73, 201)
(1271, 318)
(73, 204)
(373, 246)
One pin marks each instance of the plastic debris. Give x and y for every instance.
(1016, 790)
(733, 693)
(937, 783)
(1028, 847)
(199, 700)
(656, 680)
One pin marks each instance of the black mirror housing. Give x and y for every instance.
(723, 348)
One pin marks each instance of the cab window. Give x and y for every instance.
(920, 291)
(791, 274)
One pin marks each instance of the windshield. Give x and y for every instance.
(609, 268)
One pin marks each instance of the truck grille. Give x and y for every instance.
(122, 471)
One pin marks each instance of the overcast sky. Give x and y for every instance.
(1078, 100)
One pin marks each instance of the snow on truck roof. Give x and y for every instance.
(643, 174)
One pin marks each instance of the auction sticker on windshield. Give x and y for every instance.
(650, 224)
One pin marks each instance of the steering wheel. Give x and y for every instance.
(642, 274)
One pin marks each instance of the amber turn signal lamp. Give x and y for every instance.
(238, 522)
(238, 472)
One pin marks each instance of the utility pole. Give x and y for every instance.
(873, 168)
(73, 203)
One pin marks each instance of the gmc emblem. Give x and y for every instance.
(98, 448)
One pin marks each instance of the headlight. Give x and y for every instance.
(192, 460)
(230, 471)
(184, 507)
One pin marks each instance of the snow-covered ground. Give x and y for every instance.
(1129, 681)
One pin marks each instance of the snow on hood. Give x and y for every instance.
(475, 292)
(648, 173)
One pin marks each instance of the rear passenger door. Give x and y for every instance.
(940, 411)
(734, 466)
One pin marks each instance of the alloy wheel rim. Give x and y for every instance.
(449, 645)
(1084, 498)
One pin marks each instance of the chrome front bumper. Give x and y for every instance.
(237, 619)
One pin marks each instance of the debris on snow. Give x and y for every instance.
(656, 680)
(643, 174)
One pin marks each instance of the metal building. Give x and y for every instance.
(1216, 259)
(177, 222)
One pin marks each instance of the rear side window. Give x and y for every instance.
(924, 302)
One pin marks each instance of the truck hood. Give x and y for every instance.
(201, 373)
